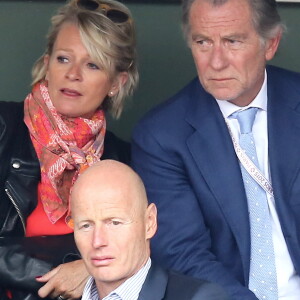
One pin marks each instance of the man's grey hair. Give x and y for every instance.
(266, 19)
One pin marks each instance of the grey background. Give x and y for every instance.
(165, 61)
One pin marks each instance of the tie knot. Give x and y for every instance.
(246, 118)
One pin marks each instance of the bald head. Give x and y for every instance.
(110, 177)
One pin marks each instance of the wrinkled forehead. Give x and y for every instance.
(202, 8)
(233, 15)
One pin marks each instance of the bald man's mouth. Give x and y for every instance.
(100, 261)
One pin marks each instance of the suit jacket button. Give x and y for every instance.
(16, 165)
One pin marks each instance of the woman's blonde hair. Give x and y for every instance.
(111, 44)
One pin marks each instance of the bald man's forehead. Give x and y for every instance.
(108, 194)
(95, 181)
(108, 206)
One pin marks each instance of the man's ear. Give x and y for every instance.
(272, 45)
(151, 221)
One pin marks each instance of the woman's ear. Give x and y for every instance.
(118, 82)
(151, 221)
(122, 78)
(46, 64)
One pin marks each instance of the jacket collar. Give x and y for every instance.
(211, 147)
(155, 284)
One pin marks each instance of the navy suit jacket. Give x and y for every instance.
(167, 285)
(184, 154)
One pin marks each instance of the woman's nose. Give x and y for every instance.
(74, 72)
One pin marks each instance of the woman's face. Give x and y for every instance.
(77, 85)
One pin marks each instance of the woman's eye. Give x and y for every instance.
(93, 66)
(62, 59)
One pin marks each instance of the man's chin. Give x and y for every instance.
(222, 97)
(222, 94)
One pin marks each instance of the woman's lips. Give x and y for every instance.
(70, 92)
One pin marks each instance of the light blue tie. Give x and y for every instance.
(262, 277)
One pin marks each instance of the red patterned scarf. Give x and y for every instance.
(64, 146)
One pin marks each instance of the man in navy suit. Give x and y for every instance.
(113, 225)
(185, 154)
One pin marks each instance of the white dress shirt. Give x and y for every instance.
(287, 280)
(128, 290)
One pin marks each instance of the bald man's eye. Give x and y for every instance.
(85, 226)
(115, 223)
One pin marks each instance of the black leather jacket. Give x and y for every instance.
(22, 259)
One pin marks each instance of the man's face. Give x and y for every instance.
(229, 55)
(111, 232)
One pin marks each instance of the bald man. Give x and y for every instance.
(113, 225)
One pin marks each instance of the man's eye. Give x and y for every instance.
(234, 43)
(116, 223)
(85, 226)
(203, 43)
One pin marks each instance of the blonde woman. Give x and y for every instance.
(88, 69)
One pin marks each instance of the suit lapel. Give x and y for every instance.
(284, 142)
(213, 153)
(155, 284)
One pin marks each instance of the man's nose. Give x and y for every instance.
(219, 58)
(100, 237)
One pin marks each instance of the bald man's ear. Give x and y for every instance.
(151, 221)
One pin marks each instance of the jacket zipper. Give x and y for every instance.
(16, 207)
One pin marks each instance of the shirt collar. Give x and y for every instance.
(128, 290)
(131, 288)
(90, 290)
(227, 108)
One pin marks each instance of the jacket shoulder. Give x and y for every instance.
(275, 71)
(11, 116)
(282, 78)
(283, 84)
(11, 109)
(187, 288)
(11, 113)
(177, 105)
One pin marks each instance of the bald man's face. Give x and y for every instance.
(112, 228)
